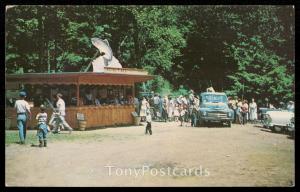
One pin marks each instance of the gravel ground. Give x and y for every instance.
(173, 156)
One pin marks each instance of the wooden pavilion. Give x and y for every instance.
(113, 82)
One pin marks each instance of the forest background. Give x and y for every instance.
(246, 51)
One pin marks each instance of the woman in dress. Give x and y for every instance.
(176, 112)
(253, 111)
(143, 109)
(171, 108)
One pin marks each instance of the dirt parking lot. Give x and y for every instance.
(239, 156)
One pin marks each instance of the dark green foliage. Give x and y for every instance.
(244, 50)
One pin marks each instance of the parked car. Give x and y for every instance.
(214, 108)
(279, 121)
(263, 110)
(262, 114)
(291, 127)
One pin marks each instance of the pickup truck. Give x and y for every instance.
(214, 108)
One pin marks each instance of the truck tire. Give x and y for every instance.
(229, 124)
(276, 129)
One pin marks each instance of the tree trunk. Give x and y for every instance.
(48, 60)
(40, 36)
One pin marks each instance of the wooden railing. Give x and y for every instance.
(95, 116)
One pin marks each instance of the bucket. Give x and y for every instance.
(82, 125)
(137, 120)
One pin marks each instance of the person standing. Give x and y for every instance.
(42, 126)
(234, 103)
(60, 104)
(197, 102)
(151, 99)
(165, 108)
(186, 106)
(179, 99)
(160, 106)
(156, 101)
(253, 111)
(194, 112)
(176, 112)
(171, 108)
(148, 120)
(239, 111)
(182, 114)
(136, 105)
(244, 109)
(143, 109)
(23, 115)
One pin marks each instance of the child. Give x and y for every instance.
(148, 120)
(42, 126)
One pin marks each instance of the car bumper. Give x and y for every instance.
(214, 119)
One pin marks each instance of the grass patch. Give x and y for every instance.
(12, 137)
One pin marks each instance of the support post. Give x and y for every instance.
(133, 90)
(77, 94)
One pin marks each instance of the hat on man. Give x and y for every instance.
(22, 94)
(59, 94)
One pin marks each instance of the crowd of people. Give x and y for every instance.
(89, 99)
(243, 112)
(165, 108)
(185, 108)
(169, 108)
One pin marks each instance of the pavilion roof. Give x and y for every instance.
(111, 76)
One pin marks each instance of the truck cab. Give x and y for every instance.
(214, 108)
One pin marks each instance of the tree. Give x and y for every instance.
(243, 50)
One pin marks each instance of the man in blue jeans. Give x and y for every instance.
(23, 113)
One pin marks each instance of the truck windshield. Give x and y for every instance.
(214, 98)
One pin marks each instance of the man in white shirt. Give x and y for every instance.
(60, 104)
(22, 108)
